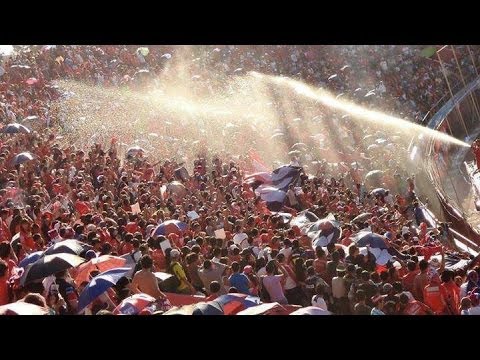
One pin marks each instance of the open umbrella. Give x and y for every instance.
(69, 246)
(169, 227)
(30, 118)
(101, 264)
(378, 192)
(22, 158)
(208, 308)
(265, 309)
(367, 238)
(134, 304)
(22, 308)
(31, 258)
(361, 218)
(134, 151)
(99, 284)
(234, 303)
(311, 310)
(299, 145)
(15, 128)
(49, 265)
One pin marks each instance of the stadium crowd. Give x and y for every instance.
(222, 238)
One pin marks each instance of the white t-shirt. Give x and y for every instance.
(240, 239)
(319, 302)
(262, 272)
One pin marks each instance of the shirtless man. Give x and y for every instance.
(144, 281)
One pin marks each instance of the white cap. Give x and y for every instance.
(174, 253)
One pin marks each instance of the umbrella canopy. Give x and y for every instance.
(182, 310)
(15, 128)
(30, 118)
(362, 217)
(31, 258)
(99, 284)
(134, 151)
(134, 304)
(311, 310)
(378, 192)
(101, 264)
(234, 303)
(70, 246)
(22, 308)
(208, 308)
(169, 227)
(367, 238)
(49, 265)
(299, 145)
(265, 309)
(22, 158)
(374, 174)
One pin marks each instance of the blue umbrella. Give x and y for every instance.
(367, 238)
(15, 128)
(99, 284)
(22, 157)
(30, 259)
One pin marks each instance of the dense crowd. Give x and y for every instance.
(226, 240)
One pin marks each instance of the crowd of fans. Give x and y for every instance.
(89, 194)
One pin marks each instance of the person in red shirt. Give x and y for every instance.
(450, 291)
(4, 230)
(26, 238)
(476, 151)
(4, 294)
(433, 296)
(413, 307)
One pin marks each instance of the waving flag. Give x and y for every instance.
(272, 187)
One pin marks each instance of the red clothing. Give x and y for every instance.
(4, 296)
(27, 241)
(451, 293)
(428, 251)
(432, 295)
(415, 307)
(82, 207)
(131, 227)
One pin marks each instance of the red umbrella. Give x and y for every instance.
(22, 308)
(101, 264)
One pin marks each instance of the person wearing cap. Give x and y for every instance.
(176, 269)
(144, 281)
(339, 291)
